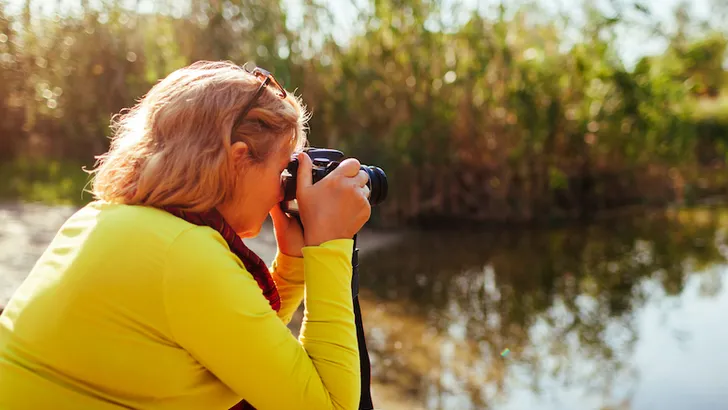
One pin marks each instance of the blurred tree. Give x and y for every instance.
(505, 116)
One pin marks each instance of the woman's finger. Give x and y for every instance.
(348, 168)
(365, 191)
(361, 179)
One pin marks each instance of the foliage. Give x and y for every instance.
(51, 182)
(547, 116)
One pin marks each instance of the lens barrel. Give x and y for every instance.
(377, 184)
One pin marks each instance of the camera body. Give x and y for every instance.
(324, 161)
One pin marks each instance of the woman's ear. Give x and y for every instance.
(240, 152)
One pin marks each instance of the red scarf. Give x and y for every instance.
(252, 262)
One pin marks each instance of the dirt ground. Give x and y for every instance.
(26, 230)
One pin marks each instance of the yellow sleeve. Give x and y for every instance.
(217, 313)
(287, 272)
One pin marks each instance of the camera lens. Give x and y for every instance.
(377, 184)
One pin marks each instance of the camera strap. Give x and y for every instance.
(365, 400)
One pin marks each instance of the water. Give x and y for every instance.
(622, 315)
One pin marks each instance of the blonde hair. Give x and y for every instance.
(173, 147)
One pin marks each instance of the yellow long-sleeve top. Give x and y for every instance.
(131, 307)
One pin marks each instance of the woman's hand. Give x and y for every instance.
(288, 232)
(337, 206)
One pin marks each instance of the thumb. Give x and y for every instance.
(305, 167)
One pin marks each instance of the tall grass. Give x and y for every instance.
(543, 126)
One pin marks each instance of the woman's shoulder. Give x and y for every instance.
(139, 219)
(143, 230)
(136, 225)
(200, 247)
(198, 258)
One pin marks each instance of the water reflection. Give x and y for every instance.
(575, 307)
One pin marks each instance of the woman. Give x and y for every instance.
(147, 298)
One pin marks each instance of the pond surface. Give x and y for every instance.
(620, 315)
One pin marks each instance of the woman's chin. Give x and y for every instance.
(250, 232)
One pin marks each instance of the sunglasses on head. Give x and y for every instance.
(266, 78)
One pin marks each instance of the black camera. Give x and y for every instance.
(325, 161)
